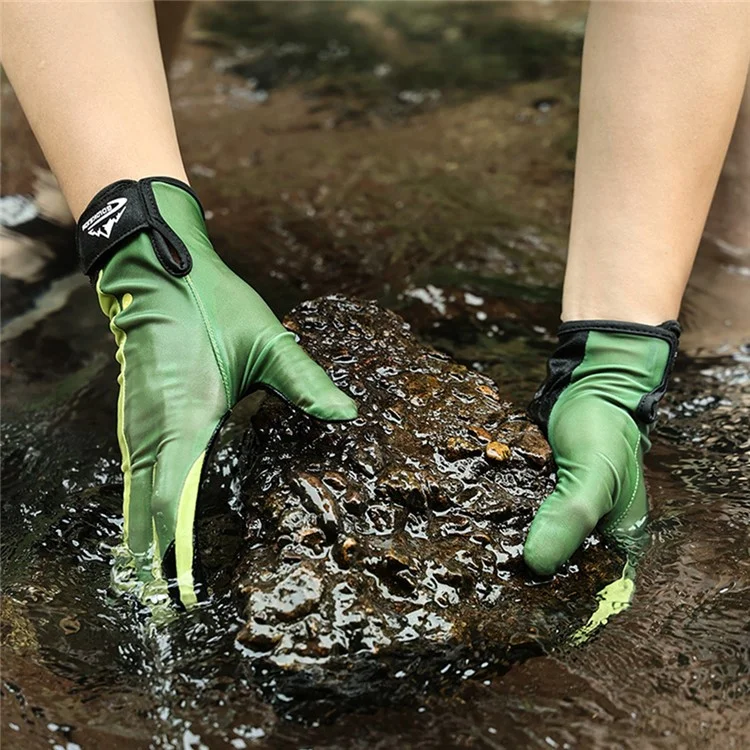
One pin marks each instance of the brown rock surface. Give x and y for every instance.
(394, 542)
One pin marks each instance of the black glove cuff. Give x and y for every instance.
(571, 349)
(119, 212)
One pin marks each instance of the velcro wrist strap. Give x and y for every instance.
(120, 212)
(668, 331)
(570, 354)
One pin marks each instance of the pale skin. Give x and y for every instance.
(662, 84)
(90, 78)
(661, 87)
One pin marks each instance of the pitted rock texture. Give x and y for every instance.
(398, 537)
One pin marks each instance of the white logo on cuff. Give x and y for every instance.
(101, 223)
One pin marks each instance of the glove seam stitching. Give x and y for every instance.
(624, 511)
(212, 340)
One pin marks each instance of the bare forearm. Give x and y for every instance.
(90, 78)
(662, 83)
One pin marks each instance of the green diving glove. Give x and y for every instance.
(192, 340)
(604, 382)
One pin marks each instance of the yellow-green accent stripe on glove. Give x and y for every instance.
(192, 340)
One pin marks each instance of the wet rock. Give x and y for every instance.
(392, 545)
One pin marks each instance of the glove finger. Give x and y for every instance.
(138, 528)
(582, 497)
(173, 504)
(286, 368)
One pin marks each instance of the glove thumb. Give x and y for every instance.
(284, 367)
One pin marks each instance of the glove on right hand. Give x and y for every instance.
(604, 382)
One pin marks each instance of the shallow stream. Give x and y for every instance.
(331, 158)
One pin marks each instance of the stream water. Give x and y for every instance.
(419, 154)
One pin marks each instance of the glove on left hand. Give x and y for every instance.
(193, 339)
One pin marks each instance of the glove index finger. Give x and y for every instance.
(564, 520)
(173, 504)
(180, 560)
